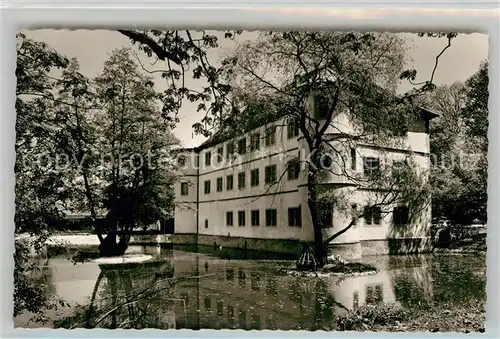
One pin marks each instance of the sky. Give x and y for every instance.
(92, 47)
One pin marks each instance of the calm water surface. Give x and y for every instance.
(221, 289)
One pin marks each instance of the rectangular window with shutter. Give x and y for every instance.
(271, 217)
(294, 217)
(184, 188)
(270, 136)
(229, 182)
(241, 218)
(292, 128)
(220, 154)
(353, 159)
(241, 180)
(373, 215)
(270, 174)
(293, 168)
(242, 146)
(255, 216)
(229, 218)
(230, 150)
(321, 107)
(254, 177)
(325, 214)
(255, 142)
(208, 158)
(371, 166)
(401, 215)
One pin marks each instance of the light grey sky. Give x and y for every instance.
(91, 48)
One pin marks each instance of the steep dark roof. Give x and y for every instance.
(427, 114)
(255, 115)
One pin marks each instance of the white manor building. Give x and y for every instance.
(228, 194)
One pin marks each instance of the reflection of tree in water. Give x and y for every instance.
(323, 302)
(128, 297)
(34, 290)
(42, 276)
(425, 280)
(325, 306)
(456, 281)
(412, 280)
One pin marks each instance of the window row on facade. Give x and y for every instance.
(270, 177)
(240, 146)
(292, 131)
(371, 167)
(371, 164)
(270, 217)
(372, 216)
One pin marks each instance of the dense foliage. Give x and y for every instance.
(122, 144)
(100, 129)
(459, 147)
(39, 193)
(98, 147)
(357, 75)
(274, 75)
(187, 55)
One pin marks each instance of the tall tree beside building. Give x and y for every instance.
(112, 143)
(448, 146)
(475, 115)
(63, 131)
(475, 112)
(458, 148)
(123, 146)
(40, 192)
(351, 73)
(139, 181)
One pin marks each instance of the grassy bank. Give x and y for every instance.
(464, 317)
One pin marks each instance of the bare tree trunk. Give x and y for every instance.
(88, 191)
(93, 213)
(92, 300)
(342, 231)
(110, 247)
(319, 245)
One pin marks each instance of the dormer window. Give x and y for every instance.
(230, 150)
(181, 160)
(242, 146)
(292, 128)
(208, 158)
(255, 142)
(270, 136)
(220, 154)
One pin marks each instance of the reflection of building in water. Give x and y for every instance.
(241, 295)
(230, 294)
(358, 291)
